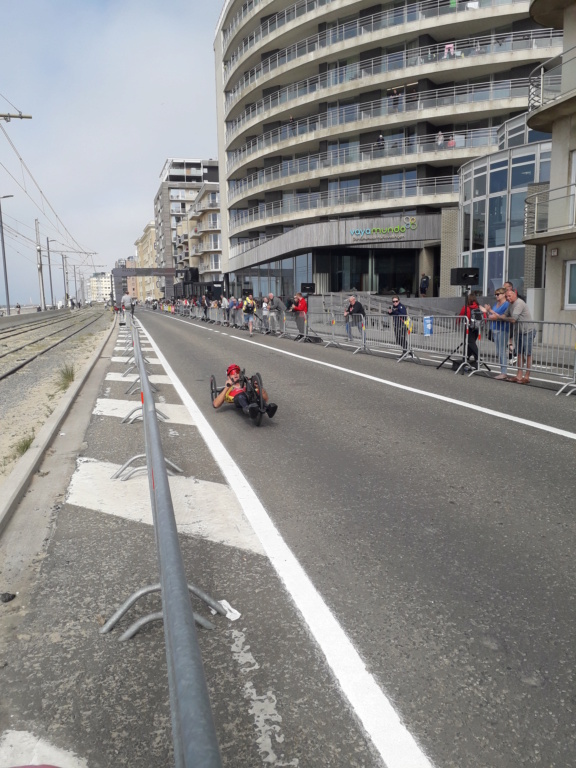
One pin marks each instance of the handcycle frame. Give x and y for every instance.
(254, 392)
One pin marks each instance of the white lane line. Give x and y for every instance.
(130, 378)
(175, 413)
(423, 392)
(202, 508)
(381, 722)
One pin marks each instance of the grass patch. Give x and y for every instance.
(65, 377)
(22, 445)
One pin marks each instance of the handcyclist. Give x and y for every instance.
(235, 392)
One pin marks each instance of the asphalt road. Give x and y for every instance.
(434, 514)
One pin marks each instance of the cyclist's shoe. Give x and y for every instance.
(271, 409)
(251, 410)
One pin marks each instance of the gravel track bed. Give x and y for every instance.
(28, 397)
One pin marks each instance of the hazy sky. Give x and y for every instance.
(114, 88)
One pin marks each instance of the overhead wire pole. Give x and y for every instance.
(4, 255)
(39, 262)
(19, 116)
(65, 275)
(50, 273)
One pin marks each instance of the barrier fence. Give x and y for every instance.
(193, 732)
(490, 348)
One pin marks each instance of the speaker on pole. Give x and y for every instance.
(464, 276)
(307, 287)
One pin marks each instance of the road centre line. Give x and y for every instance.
(424, 393)
(381, 722)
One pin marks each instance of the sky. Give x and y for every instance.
(114, 88)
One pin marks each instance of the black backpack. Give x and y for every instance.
(476, 318)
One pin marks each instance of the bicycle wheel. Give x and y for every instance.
(258, 389)
(213, 388)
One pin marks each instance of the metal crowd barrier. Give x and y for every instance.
(443, 339)
(193, 731)
(553, 348)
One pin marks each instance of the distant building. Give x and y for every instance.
(99, 287)
(146, 258)
(181, 179)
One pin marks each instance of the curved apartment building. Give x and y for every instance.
(342, 127)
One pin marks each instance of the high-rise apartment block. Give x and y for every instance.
(342, 125)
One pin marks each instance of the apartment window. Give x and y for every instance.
(478, 224)
(517, 201)
(570, 296)
(497, 220)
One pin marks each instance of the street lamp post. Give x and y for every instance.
(4, 255)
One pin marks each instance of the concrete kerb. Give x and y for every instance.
(19, 479)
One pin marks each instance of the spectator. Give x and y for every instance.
(399, 315)
(18, 308)
(248, 308)
(499, 331)
(300, 309)
(424, 285)
(472, 311)
(439, 140)
(512, 353)
(265, 314)
(354, 315)
(275, 306)
(518, 313)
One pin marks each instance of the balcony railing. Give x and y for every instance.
(386, 191)
(375, 151)
(392, 17)
(550, 210)
(553, 79)
(276, 21)
(412, 102)
(429, 55)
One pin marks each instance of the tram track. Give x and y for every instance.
(7, 366)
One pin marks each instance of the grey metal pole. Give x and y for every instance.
(4, 256)
(39, 264)
(75, 285)
(50, 272)
(64, 277)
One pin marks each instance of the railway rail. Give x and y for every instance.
(23, 343)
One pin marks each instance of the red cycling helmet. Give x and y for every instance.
(232, 369)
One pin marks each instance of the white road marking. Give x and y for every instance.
(22, 747)
(204, 509)
(126, 359)
(381, 722)
(423, 392)
(176, 413)
(130, 378)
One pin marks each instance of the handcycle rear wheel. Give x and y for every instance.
(213, 387)
(258, 397)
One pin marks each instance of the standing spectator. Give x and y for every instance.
(248, 309)
(424, 285)
(275, 306)
(472, 311)
(300, 309)
(132, 307)
(265, 314)
(499, 331)
(439, 140)
(399, 314)
(18, 309)
(354, 315)
(395, 100)
(518, 313)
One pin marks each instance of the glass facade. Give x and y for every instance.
(493, 191)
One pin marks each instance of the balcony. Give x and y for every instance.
(477, 97)
(356, 31)
(552, 91)
(454, 148)
(468, 55)
(550, 215)
(300, 208)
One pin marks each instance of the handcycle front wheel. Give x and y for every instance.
(257, 396)
(213, 387)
